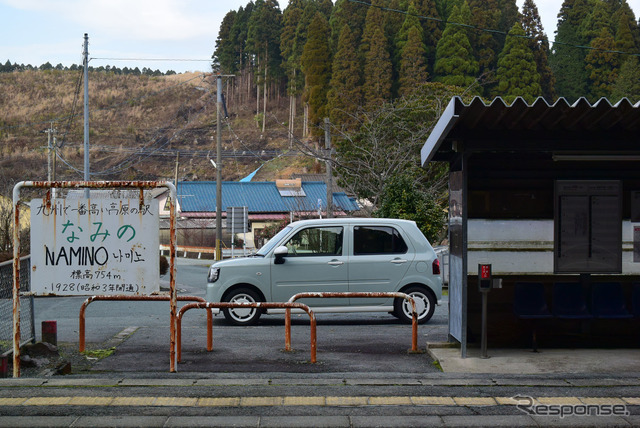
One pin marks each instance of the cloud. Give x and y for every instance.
(144, 20)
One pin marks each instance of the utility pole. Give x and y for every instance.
(85, 54)
(327, 146)
(175, 179)
(50, 153)
(219, 168)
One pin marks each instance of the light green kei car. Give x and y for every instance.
(333, 255)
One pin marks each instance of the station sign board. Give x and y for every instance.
(105, 246)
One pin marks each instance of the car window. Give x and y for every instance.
(377, 240)
(273, 241)
(316, 241)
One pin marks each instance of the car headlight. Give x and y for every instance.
(214, 273)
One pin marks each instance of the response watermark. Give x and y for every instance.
(529, 406)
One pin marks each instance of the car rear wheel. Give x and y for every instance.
(425, 305)
(242, 316)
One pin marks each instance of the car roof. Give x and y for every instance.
(353, 220)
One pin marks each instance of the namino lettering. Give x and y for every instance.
(80, 256)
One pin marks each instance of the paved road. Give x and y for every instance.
(364, 376)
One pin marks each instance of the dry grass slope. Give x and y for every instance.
(137, 124)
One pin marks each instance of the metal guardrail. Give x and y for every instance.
(156, 298)
(414, 321)
(27, 317)
(287, 305)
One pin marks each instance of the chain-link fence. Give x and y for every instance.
(27, 327)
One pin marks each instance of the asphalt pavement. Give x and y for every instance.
(364, 375)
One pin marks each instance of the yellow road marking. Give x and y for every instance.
(261, 401)
(8, 401)
(306, 401)
(219, 401)
(133, 401)
(602, 400)
(390, 401)
(347, 401)
(90, 401)
(563, 401)
(47, 401)
(433, 401)
(474, 401)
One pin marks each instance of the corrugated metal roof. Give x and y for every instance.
(543, 126)
(260, 197)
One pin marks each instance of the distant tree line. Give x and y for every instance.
(7, 67)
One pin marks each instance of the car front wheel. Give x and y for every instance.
(425, 305)
(242, 315)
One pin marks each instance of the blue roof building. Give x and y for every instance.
(265, 200)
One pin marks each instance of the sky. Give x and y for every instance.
(149, 31)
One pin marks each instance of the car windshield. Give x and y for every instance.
(273, 242)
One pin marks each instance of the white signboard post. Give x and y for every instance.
(100, 246)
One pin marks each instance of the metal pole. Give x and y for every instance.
(16, 280)
(85, 54)
(50, 151)
(483, 341)
(219, 170)
(327, 145)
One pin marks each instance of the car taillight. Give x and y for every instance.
(436, 266)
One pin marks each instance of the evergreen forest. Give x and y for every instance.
(333, 59)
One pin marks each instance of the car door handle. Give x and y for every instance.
(398, 261)
(335, 263)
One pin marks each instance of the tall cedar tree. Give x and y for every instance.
(431, 28)
(238, 36)
(263, 36)
(374, 48)
(345, 93)
(567, 58)
(393, 24)
(619, 9)
(517, 73)
(263, 41)
(509, 15)
(350, 13)
(400, 39)
(291, 50)
(224, 58)
(290, 46)
(316, 66)
(445, 7)
(597, 18)
(325, 7)
(375, 21)
(624, 37)
(601, 65)
(413, 67)
(411, 20)
(455, 63)
(377, 71)
(485, 14)
(540, 45)
(628, 82)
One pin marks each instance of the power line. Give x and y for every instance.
(488, 30)
(156, 59)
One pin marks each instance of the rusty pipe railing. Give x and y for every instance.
(86, 303)
(414, 321)
(266, 305)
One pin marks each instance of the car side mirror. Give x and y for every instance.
(280, 253)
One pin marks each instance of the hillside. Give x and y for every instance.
(138, 127)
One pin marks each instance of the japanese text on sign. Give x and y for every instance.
(94, 246)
